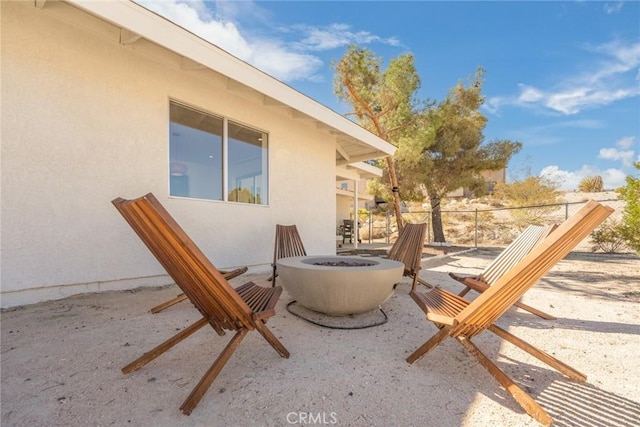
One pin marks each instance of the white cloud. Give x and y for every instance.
(572, 101)
(626, 142)
(529, 94)
(612, 8)
(622, 152)
(569, 180)
(337, 35)
(285, 60)
(626, 156)
(612, 177)
(622, 58)
(194, 17)
(612, 76)
(493, 105)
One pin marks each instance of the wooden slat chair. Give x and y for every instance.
(228, 275)
(243, 309)
(408, 250)
(287, 244)
(462, 320)
(507, 259)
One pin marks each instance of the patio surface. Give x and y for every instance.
(61, 360)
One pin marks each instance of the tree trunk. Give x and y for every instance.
(394, 190)
(436, 219)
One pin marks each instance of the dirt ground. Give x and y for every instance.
(61, 360)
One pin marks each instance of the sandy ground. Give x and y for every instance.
(61, 360)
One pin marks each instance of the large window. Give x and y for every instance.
(208, 151)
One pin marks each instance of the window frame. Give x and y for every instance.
(225, 155)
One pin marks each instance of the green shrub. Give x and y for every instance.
(630, 227)
(527, 194)
(607, 238)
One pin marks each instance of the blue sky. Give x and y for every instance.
(563, 78)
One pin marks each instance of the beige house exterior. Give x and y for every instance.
(491, 178)
(87, 89)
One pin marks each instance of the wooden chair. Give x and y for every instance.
(228, 275)
(408, 250)
(507, 259)
(243, 309)
(287, 244)
(462, 320)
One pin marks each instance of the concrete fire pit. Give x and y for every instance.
(339, 285)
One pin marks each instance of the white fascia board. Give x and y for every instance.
(157, 29)
(344, 173)
(365, 170)
(361, 196)
(357, 171)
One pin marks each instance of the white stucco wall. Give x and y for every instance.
(85, 120)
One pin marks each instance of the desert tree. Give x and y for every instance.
(382, 101)
(447, 152)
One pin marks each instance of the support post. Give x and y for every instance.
(356, 229)
(475, 238)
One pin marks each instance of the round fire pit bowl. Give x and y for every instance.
(339, 285)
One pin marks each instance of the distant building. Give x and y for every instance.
(491, 178)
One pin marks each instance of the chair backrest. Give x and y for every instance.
(198, 278)
(408, 248)
(492, 303)
(512, 254)
(287, 243)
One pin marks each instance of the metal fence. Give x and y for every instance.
(496, 226)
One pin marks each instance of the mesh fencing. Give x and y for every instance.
(484, 227)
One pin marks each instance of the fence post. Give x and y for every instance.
(475, 238)
(370, 225)
(428, 227)
(566, 210)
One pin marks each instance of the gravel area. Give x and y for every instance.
(61, 360)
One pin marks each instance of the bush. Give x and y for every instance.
(529, 193)
(630, 227)
(591, 184)
(607, 238)
(533, 190)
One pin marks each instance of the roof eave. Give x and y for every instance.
(159, 30)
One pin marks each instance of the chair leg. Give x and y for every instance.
(211, 374)
(271, 339)
(424, 282)
(544, 357)
(414, 283)
(431, 343)
(150, 355)
(526, 402)
(464, 291)
(158, 308)
(535, 311)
